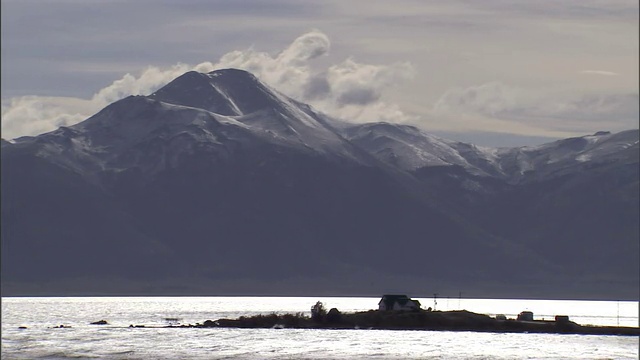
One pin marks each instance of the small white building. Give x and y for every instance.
(398, 303)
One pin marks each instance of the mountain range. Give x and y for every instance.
(218, 184)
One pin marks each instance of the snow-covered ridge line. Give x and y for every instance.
(209, 106)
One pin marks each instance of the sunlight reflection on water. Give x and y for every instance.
(118, 341)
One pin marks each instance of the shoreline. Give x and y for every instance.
(457, 320)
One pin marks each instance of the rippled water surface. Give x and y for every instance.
(118, 341)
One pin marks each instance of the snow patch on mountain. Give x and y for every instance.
(410, 148)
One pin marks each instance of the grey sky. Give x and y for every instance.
(493, 72)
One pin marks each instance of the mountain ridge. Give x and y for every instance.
(231, 182)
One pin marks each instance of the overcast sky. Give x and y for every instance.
(491, 72)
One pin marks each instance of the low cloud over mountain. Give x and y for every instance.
(361, 91)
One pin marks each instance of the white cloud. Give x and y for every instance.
(149, 80)
(349, 90)
(357, 92)
(287, 71)
(33, 115)
(30, 115)
(525, 111)
(492, 99)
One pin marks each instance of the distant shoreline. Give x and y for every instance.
(459, 320)
(306, 295)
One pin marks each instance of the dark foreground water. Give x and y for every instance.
(40, 340)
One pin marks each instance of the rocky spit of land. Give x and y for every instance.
(461, 320)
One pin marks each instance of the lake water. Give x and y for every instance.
(117, 341)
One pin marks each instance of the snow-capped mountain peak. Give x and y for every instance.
(197, 90)
(558, 156)
(225, 107)
(195, 112)
(410, 148)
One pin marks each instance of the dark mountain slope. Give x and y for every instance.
(55, 225)
(217, 184)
